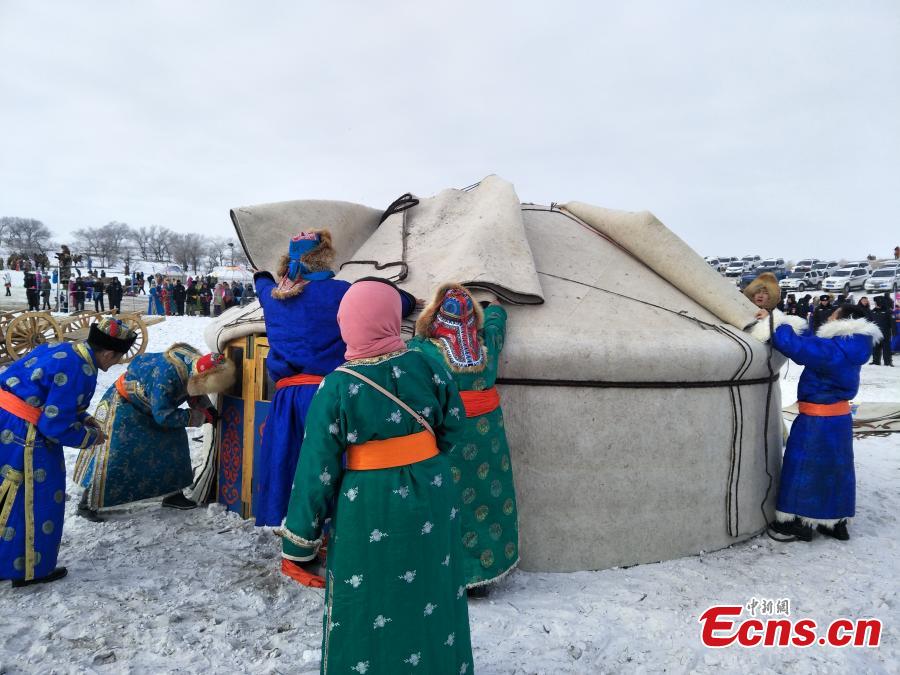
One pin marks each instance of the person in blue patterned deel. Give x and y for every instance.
(44, 398)
(146, 452)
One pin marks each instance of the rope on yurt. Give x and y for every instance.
(733, 385)
(400, 205)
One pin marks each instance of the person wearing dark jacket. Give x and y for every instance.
(79, 294)
(31, 291)
(179, 292)
(822, 312)
(883, 317)
(192, 297)
(790, 306)
(803, 306)
(114, 293)
(46, 289)
(99, 289)
(864, 305)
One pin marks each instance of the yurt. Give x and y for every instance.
(643, 421)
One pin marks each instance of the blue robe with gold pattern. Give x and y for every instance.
(60, 380)
(146, 453)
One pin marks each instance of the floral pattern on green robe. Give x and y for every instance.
(395, 596)
(481, 464)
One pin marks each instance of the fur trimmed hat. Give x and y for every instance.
(426, 318)
(309, 251)
(111, 334)
(211, 374)
(765, 282)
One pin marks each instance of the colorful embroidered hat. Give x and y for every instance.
(111, 334)
(212, 373)
(454, 319)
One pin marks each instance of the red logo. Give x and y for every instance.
(721, 626)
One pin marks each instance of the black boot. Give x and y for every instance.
(55, 575)
(793, 528)
(177, 500)
(87, 512)
(479, 591)
(839, 531)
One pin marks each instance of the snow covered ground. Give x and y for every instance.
(154, 590)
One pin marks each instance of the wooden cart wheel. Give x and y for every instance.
(28, 330)
(135, 323)
(80, 320)
(5, 318)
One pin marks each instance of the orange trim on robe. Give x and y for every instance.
(825, 409)
(295, 380)
(479, 403)
(120, 387)
(13, 404)
(392, 452)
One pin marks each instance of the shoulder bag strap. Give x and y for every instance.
(421, 420)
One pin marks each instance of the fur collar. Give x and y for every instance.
(843, 327)
(761, 330)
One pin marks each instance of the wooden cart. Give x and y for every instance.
(23, 331)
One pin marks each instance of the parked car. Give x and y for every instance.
(736, 270)
(846, 279)
(725, 261)
(715, 263)
(773, 265)
(825, 268)
(862, 264)
(883, 279)
(800, 281)
(805, 264)
(753, 260)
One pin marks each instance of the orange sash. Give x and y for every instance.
(480, 402)
(13, 404)
(291, 569)
(392, 452)
(295, 380)
(825, 409)
(120, 387)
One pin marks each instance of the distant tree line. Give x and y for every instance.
(107, 245)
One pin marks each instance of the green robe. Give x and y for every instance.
(481, 465)
(395, 597)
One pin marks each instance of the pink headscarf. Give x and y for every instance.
(369, 317)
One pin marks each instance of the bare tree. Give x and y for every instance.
(115, 234)
(160, 240)
(5, 225)
(140, 237)
(152, 242)
(26, 235)
(187, 250)
(218, 252)
(105, 243)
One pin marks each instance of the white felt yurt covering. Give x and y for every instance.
(635, 405)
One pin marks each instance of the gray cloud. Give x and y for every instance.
(761, 127)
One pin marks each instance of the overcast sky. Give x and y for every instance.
(746, 127)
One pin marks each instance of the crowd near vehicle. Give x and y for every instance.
(846, 279)
(883, 279)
